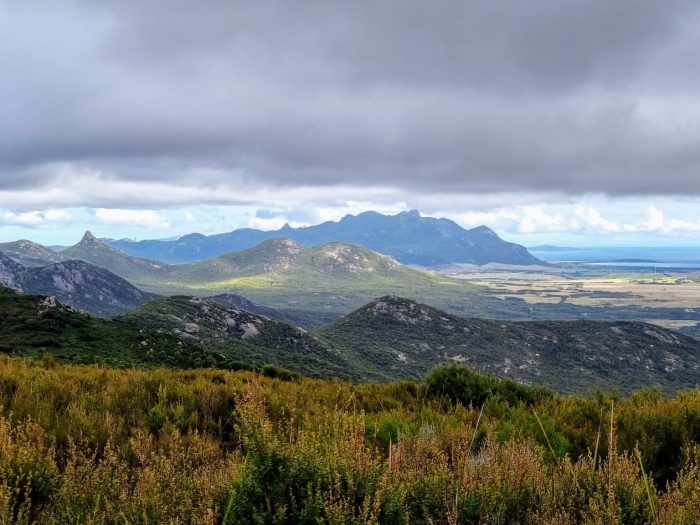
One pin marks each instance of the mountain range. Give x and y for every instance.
(407, 237)
(389, 338)
(310, 287)
(29, 253)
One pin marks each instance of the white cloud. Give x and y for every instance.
(656, 221)
(36, 219)
(593, 219)
(124, 217)
(526, 219)
(535, 220)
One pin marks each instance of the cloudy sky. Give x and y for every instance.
(550, 121)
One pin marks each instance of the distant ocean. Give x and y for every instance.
(633, 257)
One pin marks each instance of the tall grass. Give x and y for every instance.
(98, 446)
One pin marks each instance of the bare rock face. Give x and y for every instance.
(10, 273)
(191, 328)
(76, 283)
(250, 331)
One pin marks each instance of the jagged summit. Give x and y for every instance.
(88, 237)
(97, 252)
(485, 230)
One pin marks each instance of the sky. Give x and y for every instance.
(560, 122)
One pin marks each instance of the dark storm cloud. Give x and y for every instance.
(573, 96)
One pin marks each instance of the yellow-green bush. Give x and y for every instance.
(101, 446)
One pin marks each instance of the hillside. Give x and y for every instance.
(245, 336)
(77, 283)
(399, 338)
(95, 251)
(34, 325)
(407, 237)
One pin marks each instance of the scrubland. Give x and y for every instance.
(86, 444)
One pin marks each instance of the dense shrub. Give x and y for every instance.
(278, 372)
(460, 384)
(101, 446)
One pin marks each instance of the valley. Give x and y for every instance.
(670, 298)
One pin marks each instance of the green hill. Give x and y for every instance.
(247, 337)
(308, 286)
(316, 285)
(178, 332)
(399, 338)
(35, 325)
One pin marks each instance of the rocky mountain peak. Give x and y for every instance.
(346, 257)
(89, 238)
(411, 214)
(400, 309)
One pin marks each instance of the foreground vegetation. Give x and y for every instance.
(83, 444)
